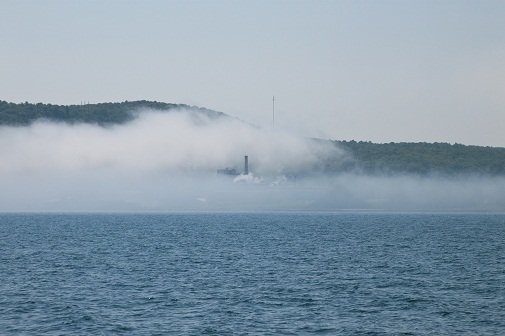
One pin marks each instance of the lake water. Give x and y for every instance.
(267, 274)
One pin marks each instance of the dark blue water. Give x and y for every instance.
(268, 274)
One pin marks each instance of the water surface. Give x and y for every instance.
(268, 274)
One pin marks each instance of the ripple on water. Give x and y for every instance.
(270, 274)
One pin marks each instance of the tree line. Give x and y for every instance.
(12, 114)
(419, 158)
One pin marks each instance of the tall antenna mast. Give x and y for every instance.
(273, 111)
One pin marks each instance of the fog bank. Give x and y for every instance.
(168, 162)
(176, 141)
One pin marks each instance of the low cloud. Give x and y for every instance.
(180, 141)
(167, 161)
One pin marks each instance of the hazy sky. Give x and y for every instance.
(365, 70)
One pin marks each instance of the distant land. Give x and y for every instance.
(361, 156)
(422, 158)
(24, 114)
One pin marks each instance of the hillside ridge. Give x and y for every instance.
(24, 114)
(419, 158)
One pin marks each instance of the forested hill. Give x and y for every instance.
(364, 157)
(24, 114)
(420, 158)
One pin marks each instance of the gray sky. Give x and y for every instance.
(365, 70)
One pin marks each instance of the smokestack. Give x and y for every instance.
(246, 165)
